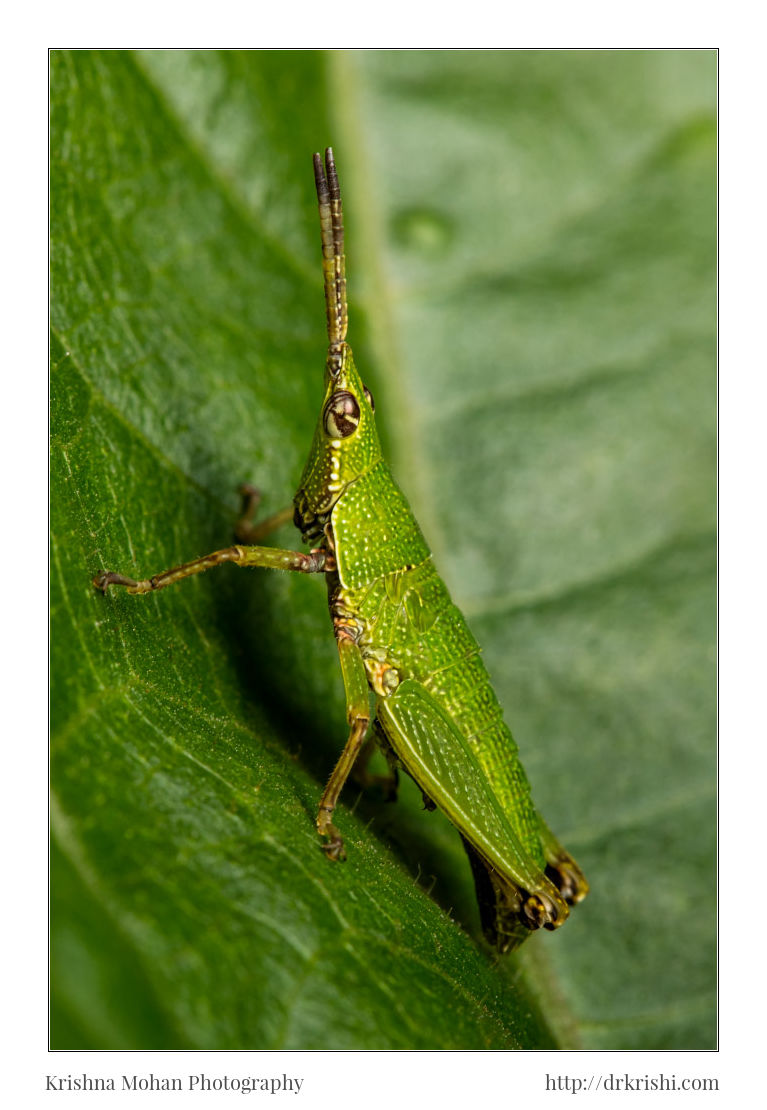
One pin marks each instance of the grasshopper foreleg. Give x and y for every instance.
(269, 557)
(245, 530)
(358, 716)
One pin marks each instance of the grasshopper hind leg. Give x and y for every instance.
(499, 919)
(508, 913)
(561, 868)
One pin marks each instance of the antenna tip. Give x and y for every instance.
(320, 179)
(330, 165)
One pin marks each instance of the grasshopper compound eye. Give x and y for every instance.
(342, 414)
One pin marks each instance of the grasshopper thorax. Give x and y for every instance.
(345, 444)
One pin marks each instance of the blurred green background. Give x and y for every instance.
(531, 242)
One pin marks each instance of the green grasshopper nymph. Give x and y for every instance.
(399, 634)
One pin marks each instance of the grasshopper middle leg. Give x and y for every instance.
(358, 715)
(387, 783)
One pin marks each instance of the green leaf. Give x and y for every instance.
(530, 263)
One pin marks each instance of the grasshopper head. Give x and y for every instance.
(345, 444)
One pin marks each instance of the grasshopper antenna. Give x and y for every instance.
(333, 260)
